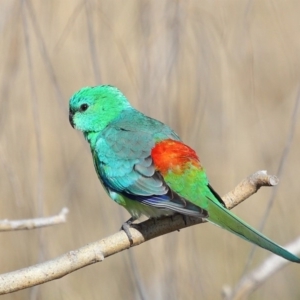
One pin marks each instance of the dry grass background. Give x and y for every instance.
(224, 74)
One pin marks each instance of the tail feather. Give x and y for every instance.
(221, 216)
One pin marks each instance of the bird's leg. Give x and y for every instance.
(183, 216)
(126, 226)
(185, 219)
(172, 218)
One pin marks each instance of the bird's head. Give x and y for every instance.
(93, 108)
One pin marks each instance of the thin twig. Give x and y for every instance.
(251, 281)
(9, 225)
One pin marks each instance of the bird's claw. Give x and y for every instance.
(126, 227)
(185, 219)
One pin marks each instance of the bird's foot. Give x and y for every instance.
(185, 219)
(126, 227)
(172, 217)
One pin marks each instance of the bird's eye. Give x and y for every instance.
(83, 107)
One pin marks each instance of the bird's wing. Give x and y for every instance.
(125, 165)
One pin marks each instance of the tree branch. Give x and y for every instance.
(142, 232)
(251, 281)
(8, 225)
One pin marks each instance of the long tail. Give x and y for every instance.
(221, 216)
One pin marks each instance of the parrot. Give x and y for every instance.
(145, 167)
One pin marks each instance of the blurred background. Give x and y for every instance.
(224, 74)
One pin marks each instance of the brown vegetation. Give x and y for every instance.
(225, 75)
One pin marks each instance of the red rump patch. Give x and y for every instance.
(173, 155)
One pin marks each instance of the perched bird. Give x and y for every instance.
(145, 167)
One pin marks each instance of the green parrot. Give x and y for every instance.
(145, 167)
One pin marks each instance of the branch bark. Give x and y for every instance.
(142, 232)
(9, 225)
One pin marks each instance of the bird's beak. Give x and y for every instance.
(71, 119)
